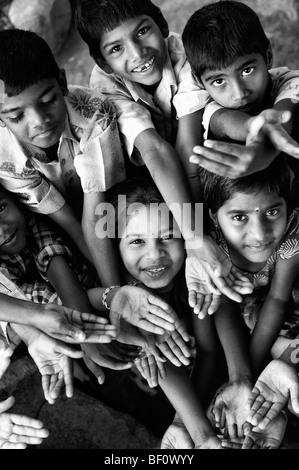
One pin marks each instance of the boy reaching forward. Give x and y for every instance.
(231, 58)
(140, 67)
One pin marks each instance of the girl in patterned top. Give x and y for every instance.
(252, 219)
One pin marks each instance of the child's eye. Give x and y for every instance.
(272, 212)
(247, 71)
(218, 83)
(239, 218)
(167, 237)
(49, 100)
(2, 207)
(142, 31)
(115, 49)
(16, 119)
(137, 241)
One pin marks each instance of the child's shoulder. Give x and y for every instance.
(83, 102)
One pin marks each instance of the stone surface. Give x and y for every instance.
(80, 422)
(51, 19)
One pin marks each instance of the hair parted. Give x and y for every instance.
(136, 191)
(93, 18)
(218, 33)
(216, 189)
(25, 59)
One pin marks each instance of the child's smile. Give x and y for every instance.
(13, 237)
(150, 250)
(135, 50)
(253, 225)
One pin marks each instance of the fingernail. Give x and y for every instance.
(194, 159)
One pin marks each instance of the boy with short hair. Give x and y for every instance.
(231, 58)
(141, 67)
(59, 146)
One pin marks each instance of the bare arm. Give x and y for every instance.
(179, 390)
(67, 220)
(190, 134)
(67, 285)
(273, 312)
(104, 256)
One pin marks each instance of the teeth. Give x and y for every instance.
(145, 66)
(155, 270)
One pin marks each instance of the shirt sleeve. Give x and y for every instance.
(132, 117)
(190, 97)
(46, 245)
(34, 191)
(285, 84)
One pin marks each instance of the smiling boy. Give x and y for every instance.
(59, 146)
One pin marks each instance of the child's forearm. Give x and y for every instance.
(231, 124)
(67, 220)
(232, 334)
(190, 134)
(67, 285)
(180, 392)
(166, 170)
(265, 332)
(18, 311)
(104, 256)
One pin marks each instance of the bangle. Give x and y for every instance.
(104, 296)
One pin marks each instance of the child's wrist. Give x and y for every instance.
(108, 295)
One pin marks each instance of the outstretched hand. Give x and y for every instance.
(17, 431)
(53, 359)
(266, 136)
(72, 326)
(142, 309)
(221, 276)
(277, 385)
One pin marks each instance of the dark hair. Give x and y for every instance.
(95, 17)
(137, 191)
(25, 59)
(216, 189)
(217, 34)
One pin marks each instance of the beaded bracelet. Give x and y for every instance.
(104, 296)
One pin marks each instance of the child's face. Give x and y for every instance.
(241, 86)
(253, 225)
(135, 50)
(12, 226)
(37, 115)
(151, 249)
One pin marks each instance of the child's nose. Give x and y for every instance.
(154, 251)
(239, 91)
(135, 51)
(37, 118)
(259, 229)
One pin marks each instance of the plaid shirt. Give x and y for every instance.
(44, 183)
(28, 269)
(176, 95)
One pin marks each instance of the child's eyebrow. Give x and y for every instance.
(242, 211)
(17, 108)
(116, 41)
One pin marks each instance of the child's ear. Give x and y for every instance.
(213, 217)
(103, 65)
(2, 123)
(269, 57)
(63, 82)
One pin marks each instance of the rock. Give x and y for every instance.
(50, 19)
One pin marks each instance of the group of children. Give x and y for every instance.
(187, 146)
